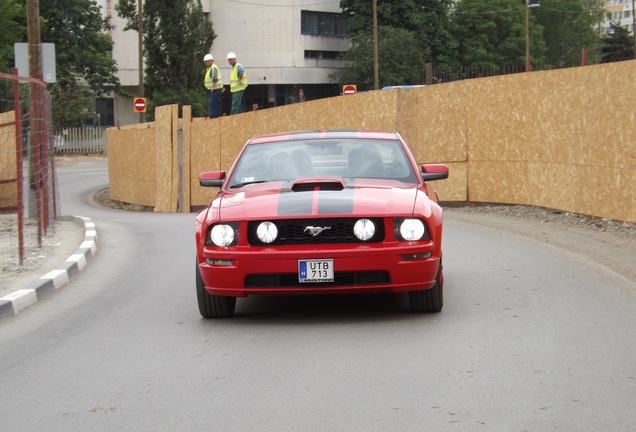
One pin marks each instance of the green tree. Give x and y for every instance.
(426, 19)
(410, 34)
(618, 46)
(394, 47)
(568, 28)
(491, 34)
(84, 66)
(12, 25)
(176, 37)
(73, 104)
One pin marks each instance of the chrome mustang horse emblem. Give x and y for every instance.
(314, 231)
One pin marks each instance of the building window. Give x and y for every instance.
(323, 24)
(325, 55)
(330, 55)
(105, 112)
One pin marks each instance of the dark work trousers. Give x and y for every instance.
(215, 103)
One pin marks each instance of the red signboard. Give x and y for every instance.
(140, 104)
(349, 89)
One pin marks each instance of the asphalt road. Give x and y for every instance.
(533, 337)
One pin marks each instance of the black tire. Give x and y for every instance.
(213, 306)
(429, 300)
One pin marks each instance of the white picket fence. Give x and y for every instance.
(80, 140)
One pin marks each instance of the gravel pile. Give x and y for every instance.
(625, 230)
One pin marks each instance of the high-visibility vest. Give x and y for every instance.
(235, 84)
(209, 84)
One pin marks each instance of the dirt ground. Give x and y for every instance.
(59, 243)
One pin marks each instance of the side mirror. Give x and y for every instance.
(431, 172)
(212, 178)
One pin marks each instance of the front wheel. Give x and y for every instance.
(213, 306)
(429, 300)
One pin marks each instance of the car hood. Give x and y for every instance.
(284, 199)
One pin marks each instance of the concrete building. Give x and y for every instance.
(619, 12)
(284, 45)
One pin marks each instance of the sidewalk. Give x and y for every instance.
(64, 254)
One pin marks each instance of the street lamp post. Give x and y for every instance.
(528, 6)
(527, 36)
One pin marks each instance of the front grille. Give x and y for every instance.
(297, 232)
(290, 280)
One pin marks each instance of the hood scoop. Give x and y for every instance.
(318, 183)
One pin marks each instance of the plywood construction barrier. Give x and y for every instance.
(132, 166)
(562, 139)
(8, 167)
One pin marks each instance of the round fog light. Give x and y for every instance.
(267, 232)
(364, 229)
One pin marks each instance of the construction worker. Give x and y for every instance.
(214, 84)
(238, 83)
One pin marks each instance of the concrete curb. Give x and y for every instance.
(14, 303)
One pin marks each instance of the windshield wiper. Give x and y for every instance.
(247, 183)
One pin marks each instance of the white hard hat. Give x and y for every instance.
(231, 55)
(208, 57)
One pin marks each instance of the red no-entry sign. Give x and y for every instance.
(349, 89)
(140, 105)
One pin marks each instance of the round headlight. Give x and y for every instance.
(364, 229)
(267, 232)
(222, 235)
(412, 229)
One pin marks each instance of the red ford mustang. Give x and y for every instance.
(321, 212)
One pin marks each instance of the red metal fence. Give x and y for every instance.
(28, 188)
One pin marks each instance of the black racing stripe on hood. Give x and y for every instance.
(336, 202)
(292, 203)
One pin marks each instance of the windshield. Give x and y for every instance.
(348, 158)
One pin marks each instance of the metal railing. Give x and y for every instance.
(440, 74)
(80, 140)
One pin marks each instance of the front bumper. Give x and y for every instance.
(358, 269)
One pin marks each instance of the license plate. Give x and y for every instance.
(315, 270)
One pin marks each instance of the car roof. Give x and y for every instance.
(403, 87)
(323, 134)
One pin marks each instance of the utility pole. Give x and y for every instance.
(141, 54)
(33, 28)
(35, 71)
(376, 74)
(634, 27)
